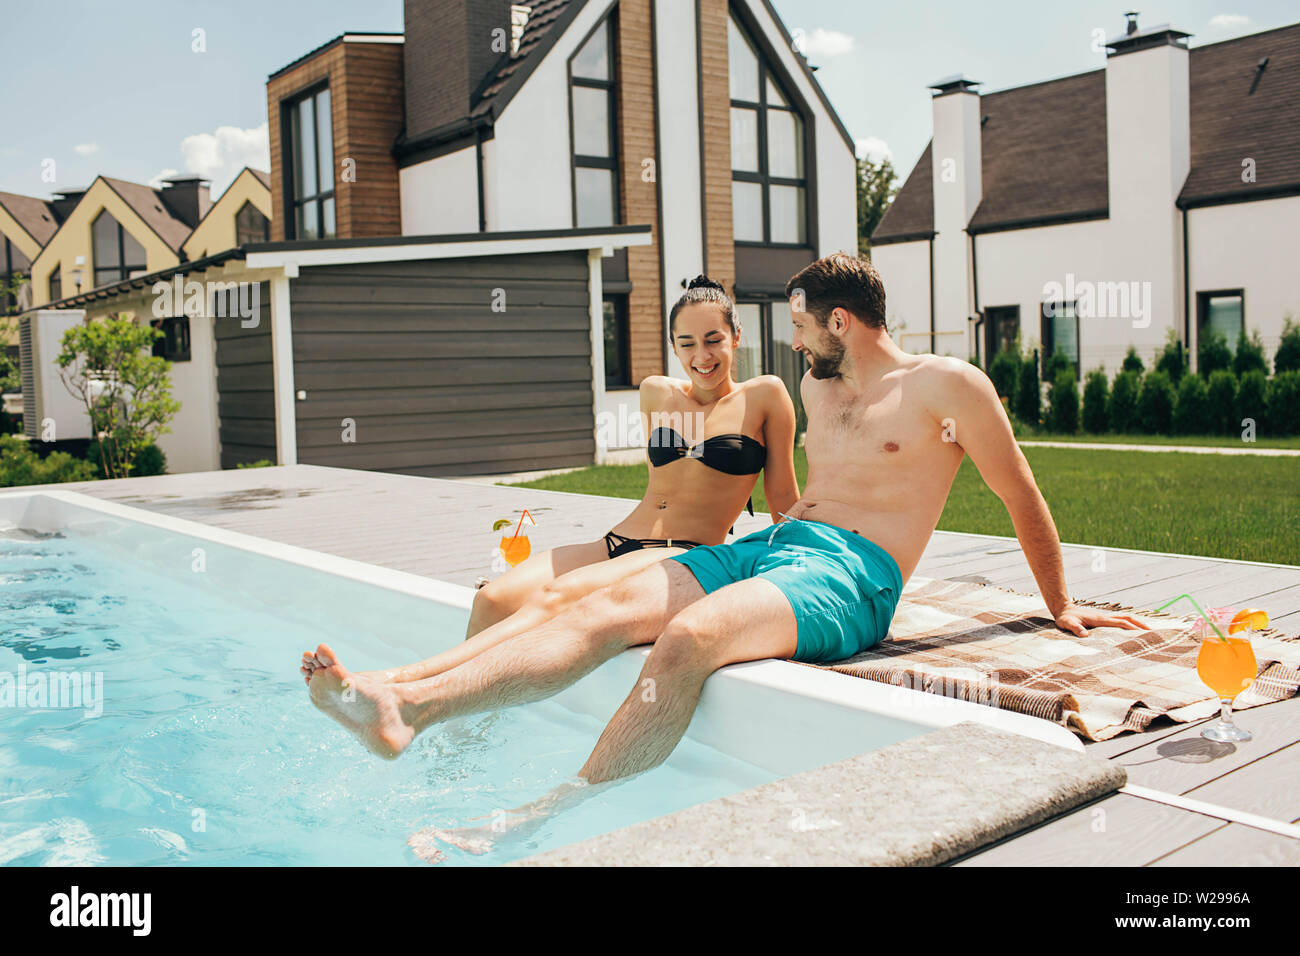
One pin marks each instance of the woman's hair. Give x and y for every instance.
(703, 290)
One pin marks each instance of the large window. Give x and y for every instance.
(174, 345)
(16, 267)
(311, 166)
(769, 184)
(767, 347)
(118, 255)
(1002, 325)
(56, 284)
(1060, 333)
(1221, 312)
(618, 372)
(251, 225)
(591, 105)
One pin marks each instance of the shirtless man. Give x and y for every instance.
(886, 432)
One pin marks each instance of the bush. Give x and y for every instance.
(1172, 359)
(1029, 396)
(1063, 403)
(1222, 414)
(1250, 399)
(1191, 413)
(1283, 403)
(149, 460)
(1250, 354)
(1121, 410)
(1212, 353)
(1095, 392)
(1056, 363)
(260, 463)
(1287, 358)
(1155, 411)
(1132, 363)
(19, 465)
(1003, 371)
(975, 360)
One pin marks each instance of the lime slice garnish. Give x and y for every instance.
(500, 523)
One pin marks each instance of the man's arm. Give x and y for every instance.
(982, 430)
(780, 484)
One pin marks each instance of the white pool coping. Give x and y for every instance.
(825, 686)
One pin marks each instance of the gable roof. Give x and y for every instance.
(36, 216)
(1037, 137)
(540, 34)
(149, 205)
(263, 178)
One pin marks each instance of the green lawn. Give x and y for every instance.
(1225, 507)
(1215, 441)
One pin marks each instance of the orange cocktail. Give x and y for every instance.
(1227, 668)
(515, 549)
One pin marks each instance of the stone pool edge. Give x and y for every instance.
(921, 802)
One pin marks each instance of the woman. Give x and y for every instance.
(708, 438)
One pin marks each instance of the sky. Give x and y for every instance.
(140, 89)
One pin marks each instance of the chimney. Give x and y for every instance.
(956, 158)
(188, 197)
(66, 200)
(451, 45)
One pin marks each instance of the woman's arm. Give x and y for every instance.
(779, 482)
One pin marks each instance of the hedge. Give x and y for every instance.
(1155, 411)
(1096, 390)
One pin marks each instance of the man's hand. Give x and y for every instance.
(1077, 620)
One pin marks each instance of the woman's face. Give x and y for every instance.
(704, 344)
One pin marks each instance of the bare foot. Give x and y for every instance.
(475, 840)
(366, 707)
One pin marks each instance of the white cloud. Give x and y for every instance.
(1229, 21)
(873, 148)
(85, 149)
(822, 43)
(219, 156)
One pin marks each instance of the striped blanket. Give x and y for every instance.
(998, 647)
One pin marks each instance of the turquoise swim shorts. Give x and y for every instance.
(842, 587)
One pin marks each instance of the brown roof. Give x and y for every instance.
(1044, 145)
(543, 16)
(150, 206)
(263, 178)
(34, 215)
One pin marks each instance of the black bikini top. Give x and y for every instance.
(730, 454)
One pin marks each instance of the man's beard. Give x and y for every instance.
(827, 361)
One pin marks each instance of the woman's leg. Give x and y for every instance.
(550, 600)
(498, 599)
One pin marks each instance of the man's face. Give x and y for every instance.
(825, 352)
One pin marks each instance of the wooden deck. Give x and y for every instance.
(443, 529)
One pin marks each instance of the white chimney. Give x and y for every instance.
(957, 183)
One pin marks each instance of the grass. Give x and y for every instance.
(1170, 502)
(1212, 441)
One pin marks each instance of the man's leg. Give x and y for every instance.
(387, 717)
(746, 621)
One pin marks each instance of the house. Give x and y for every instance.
(242, 215)
(1093, 212)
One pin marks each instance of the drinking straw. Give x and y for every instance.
(521, 523)
(1204, 616)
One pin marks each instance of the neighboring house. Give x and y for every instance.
(242, 215)
(1097, 211)
(694, 117)
(26, 225)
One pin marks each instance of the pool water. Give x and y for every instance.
(208, 751)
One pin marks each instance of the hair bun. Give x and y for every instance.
(704, 282)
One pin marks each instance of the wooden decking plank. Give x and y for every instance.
(1268, 786)
(1213, 578)
(1235, 845)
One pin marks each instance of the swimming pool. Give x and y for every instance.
(165, 721)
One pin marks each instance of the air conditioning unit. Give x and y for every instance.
(46, 399)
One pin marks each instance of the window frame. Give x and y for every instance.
(1048, 336)
(182, 352)
(767, 343)
(767, 72)
(266, 222)
(1203, 309)
(288, 108)
(10, 296)
(619, 301)
(610, 88)
(122, 268)
(54, 279)
(994, 315)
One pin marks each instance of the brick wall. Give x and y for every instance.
(639, 199)
(715, 107)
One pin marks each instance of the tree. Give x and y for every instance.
(1172, 360)
(1250, 354)
(126, 390)
(1121, 410)
(1287, 358)
(1132, 363)
(1063, 403)
(1096, 390)
(877, 187)
(1212, 352)
(1029, 399)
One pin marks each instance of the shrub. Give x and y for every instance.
(1056, 363)
(1282, 399)
(1212, 353)
(1250, 399)
(1287, 358)
(1063, 403)
(1155, 409)
(975, 360)
(260, 463)
(1250, 354)
(1222, 414)
(1121, 410)
(1172, 359)
(1095, 392)
(1132, 363)
(1191, 413)
(20, 465)
(1029, 396)
(1003, 370)
(149, 460)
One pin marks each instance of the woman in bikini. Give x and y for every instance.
(708, 439)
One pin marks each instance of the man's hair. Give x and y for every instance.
(841, 281)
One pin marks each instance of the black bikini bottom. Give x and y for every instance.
(619, 544)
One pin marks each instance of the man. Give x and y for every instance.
(886, 433)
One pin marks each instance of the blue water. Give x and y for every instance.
(208, 751)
